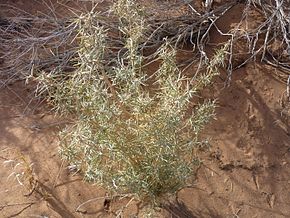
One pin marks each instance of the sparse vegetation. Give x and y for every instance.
(136, 133)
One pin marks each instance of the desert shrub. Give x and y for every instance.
(128, 136)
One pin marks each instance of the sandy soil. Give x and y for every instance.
(245, 174)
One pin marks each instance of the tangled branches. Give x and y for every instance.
(268, 40)
(33, 43)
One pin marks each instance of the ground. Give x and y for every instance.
(246, 173)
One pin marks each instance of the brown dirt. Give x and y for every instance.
(246, 174)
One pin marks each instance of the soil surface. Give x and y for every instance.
(246, 173)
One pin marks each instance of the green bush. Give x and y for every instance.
(127, 135)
